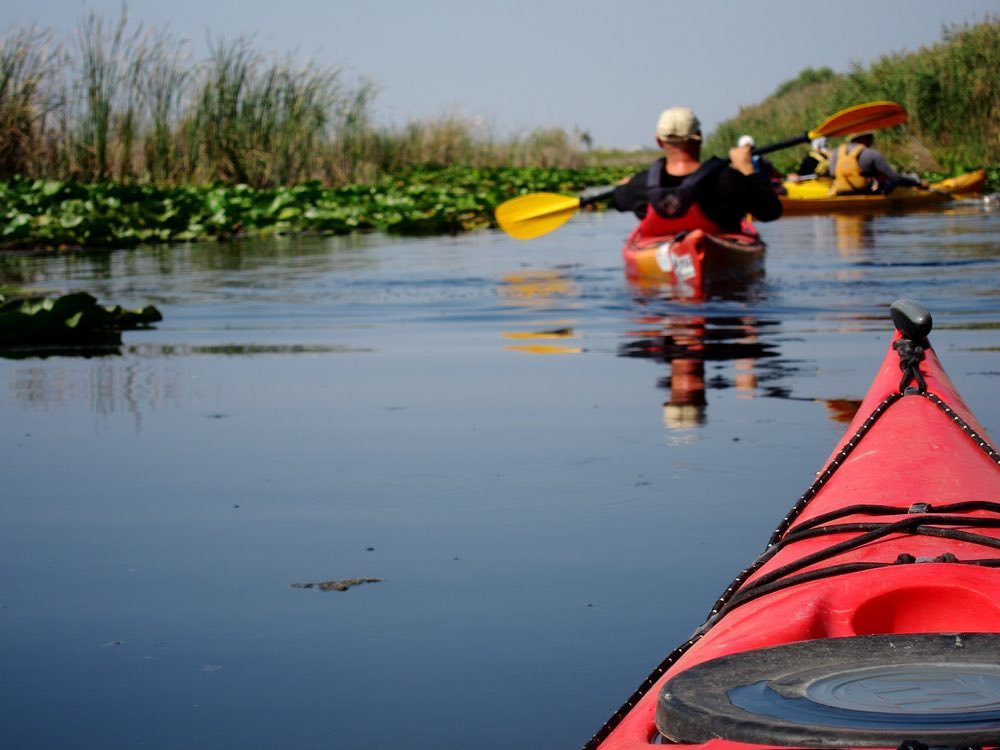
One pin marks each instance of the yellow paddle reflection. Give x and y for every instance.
(540, 289)
(537, 288)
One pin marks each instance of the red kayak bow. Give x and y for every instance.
(872, 618)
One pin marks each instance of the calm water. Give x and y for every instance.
(552, 473)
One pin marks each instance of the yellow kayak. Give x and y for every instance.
(813, 196)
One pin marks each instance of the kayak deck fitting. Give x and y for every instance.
(872, 617)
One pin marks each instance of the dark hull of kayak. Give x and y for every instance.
(693, 263)
(872, 617)
(812, 197)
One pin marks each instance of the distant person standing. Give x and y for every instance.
(857, 167)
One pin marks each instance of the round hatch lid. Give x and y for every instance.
(863, 691)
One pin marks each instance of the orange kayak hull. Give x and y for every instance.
(693, 262)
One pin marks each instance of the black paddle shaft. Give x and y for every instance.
(787, 143)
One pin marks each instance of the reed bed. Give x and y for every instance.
(125, 104)
(122, 103)
(951, 91)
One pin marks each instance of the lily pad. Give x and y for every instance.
(74, 319)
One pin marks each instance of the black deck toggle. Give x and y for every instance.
(911, 319)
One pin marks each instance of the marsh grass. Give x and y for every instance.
(127, 104)
(256, 122)
(29, 65)
(163, 81)
(111, 61)
(951, 91)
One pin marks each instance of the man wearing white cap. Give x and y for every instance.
(687, 194)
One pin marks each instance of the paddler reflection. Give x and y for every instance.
(686, 343)
(687, 402)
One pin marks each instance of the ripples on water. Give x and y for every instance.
(552, 473)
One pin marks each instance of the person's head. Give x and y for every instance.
(746, 140)
(866, 138)
(818, 144)
(678, 126)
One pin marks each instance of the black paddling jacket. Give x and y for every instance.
(725, 195)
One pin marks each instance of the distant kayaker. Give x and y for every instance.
(686, 194)
(814, 164)
(857, 167)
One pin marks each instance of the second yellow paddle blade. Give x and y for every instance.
(535, 214)
(870, 116)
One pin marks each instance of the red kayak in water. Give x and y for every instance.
(694, 262)
(872, 617)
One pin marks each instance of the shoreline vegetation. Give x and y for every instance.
(116, 138)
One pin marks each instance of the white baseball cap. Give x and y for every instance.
(678, 124)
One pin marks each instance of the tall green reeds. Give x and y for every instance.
(28, 67)
(125, 104)
(110, 61)
(951, 91)
(257, 122)
(164, 80)
(128, 105)
(357, 153)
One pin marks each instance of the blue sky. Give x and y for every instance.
(604, 67)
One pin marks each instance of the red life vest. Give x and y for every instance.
(674, 210)
(654, 225)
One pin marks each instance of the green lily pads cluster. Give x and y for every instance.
(69, 320)
(56, 214)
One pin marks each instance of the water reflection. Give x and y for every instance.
(854, 234)
(138, 543)
(132, 380)
(743, 288)
(541, 290)
(753, 367)
(685, 343)
(111, 387)
(110, 348)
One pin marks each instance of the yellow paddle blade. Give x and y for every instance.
(861, 117)
(535, 214)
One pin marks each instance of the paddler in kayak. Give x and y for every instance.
(814, 164)
(715, 196)
(858, 168)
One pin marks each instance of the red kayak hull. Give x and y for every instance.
(693, 262)
(905, 469)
